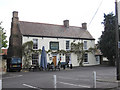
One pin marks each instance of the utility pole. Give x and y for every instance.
(117, 41)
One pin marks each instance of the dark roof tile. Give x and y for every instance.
(51, 30)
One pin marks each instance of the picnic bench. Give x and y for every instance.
(51, 66)
(64, 64)
(35, 67)
(57, 67)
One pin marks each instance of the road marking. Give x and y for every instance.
(107, 80)
(75, 85)
(29, 86)
(12, 76)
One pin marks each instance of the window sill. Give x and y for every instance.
(86, 62)
(85, 48)
(35, 49)
(67, 49)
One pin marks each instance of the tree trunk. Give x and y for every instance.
(112, 62)
(81, 63)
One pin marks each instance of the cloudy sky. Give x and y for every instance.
(55, 11)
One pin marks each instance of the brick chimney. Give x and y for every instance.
(84, 26)
(14, 23)
(15, 40)
(66, 23)
(15, 14)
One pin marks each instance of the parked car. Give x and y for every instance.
(14, 64)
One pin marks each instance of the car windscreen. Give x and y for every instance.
(19, 61)
(15, 60)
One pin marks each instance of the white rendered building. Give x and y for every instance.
(56, 37)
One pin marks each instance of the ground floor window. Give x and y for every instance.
(67, 58)
(98, 59)
(35, 59)
(85, 58)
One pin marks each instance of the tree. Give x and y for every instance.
(107, 39)
(27, 51)
(3, 37)
(78, 49)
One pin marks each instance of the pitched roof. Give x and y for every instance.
(4, 52)
(98, 52)
(51, 30)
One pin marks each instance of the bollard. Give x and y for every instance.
(64, 67)
(94, 79)
(55, 81)
(0, 84)
(70, 66)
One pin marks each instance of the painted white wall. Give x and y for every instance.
(119, 12)
(91, 60)
(62, 46)
(105, 59)
(74, 59)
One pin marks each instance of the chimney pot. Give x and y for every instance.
(15, 18)
(66, 23)
(84, 26)
(15, 14)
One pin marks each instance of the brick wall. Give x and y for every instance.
(15, 40)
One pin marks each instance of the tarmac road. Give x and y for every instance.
(78, 77)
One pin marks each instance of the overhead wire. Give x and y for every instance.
(95, 12)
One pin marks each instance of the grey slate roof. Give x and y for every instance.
(51, 30)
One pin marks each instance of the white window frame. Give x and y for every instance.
(98, 59)
(86, 62)
(35, 59)
(68, 48)
(68, 55)
(85, 45)
(50, 44)
(35, 42)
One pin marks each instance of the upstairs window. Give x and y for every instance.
(67, 45)
(85, 44)
(54, 45)
(35, 43)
